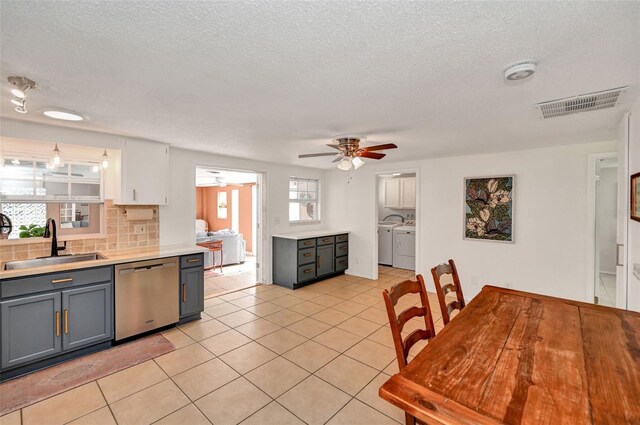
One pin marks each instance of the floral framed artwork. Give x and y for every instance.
(635, 197)
(488, 211)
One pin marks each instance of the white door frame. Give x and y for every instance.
(592, 245)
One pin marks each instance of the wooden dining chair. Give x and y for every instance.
(403, 346)
(442, 290)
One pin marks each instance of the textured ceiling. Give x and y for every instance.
(271, 80)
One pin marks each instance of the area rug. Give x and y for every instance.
(26, 390)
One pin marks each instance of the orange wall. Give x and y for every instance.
(207, 209)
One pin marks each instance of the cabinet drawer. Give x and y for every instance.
(306, 256)
(306, 272)
(342, 238)
(54, 281)
(342, 263)
(326, 240)
(342, 248)
(195, 260)
(306, 243)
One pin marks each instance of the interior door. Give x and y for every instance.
(623, 206)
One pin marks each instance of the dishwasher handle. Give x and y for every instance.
(147, 268)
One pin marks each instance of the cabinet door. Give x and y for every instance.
(144, 173)
(392, 193)
(408, 191)
(31, 328)
(87, 316)
(325, 257)
(191, 291)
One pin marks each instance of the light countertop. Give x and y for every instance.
(309, 234)
(113, 257)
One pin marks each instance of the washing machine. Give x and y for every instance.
(385, 242)
(404, 247)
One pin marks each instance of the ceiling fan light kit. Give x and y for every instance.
(19, 91)
(350, 153)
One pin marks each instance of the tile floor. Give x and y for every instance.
(234, 277)
(607, 290)
(263, 355)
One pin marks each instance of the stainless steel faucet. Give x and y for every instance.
(53, 235)
(394, 215)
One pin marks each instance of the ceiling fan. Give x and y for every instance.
(350, 153)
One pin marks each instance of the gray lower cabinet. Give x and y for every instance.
(299, 262)
(31, 328)
(191, 286)
(86, 316)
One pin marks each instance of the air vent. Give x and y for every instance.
(582, 103)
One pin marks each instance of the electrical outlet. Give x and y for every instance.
(139, 229)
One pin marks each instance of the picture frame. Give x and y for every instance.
(634, 206)
(489, 205)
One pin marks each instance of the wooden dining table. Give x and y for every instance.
(513, 357)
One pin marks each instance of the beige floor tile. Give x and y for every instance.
(225, 341)
(233, 295)
(178, 338)
(374, 315)
(247, 301)
(369, 395)
(366, 299)
(309, 327)
(99, 417)
(287, 301)
(205, 378)
(383, 336)
(221, 309)
(210, 302)
(372, 354)
(131, 380)
(311, 355)
(285, 317)
(12, 418)
(149, 405)
(272, 414)
(347, 374)
(281, 340)
(65, 407)
(358, 413)
(183, 359)
(277, 376)
(270, 295)
(308, 308)
(238, 318)
(327, 300)
(258, 328)
(240, 399)
(350, 307)
(331, 316)
(247, 357)
(263, 309)
(359, 326)
(313, 400)
(201, 330)
(338, 339)
(188, 415)
(344, 293)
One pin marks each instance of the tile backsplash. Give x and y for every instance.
(119, 234)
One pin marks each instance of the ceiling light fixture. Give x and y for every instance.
(56, 160)
(357, 162)
(520, 70)
(105, 160)
(18, 102)
(21, 85)
(345, 164)
(63, 115)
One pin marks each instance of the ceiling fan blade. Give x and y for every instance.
(333, 146)
(372, 155)
(380, 147)
(338, 159)
(311, 155)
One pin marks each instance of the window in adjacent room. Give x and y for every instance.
(304, 201)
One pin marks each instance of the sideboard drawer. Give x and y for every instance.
(306, 256)
(306, 243)
(54, 281)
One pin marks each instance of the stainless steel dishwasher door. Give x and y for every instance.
(146, 295)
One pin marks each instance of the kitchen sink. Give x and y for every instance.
(51, 261)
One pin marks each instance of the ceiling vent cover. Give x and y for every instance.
(582, 103)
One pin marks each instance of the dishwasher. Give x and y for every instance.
(146, 296)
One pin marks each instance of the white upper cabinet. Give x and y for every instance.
(144, 178)
(400, 193)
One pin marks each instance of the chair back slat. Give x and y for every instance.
(397, 322)
(443, 289)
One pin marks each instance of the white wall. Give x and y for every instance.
(634, 226)
(606, 220)
(177, 218)
(550, 202)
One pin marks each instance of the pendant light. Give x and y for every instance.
(56, 160)
(105, 160)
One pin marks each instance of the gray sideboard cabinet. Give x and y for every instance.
(191, 287)
(46, 318)
(299, 262)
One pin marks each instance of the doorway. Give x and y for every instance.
(228, 213)
(396, 224)
(606, 200)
